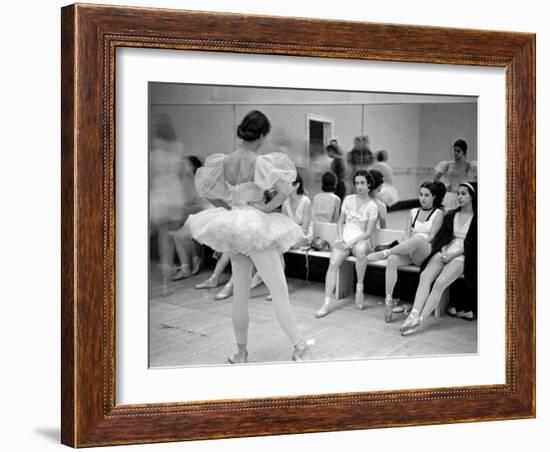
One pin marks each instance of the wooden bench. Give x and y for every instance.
(346, 274)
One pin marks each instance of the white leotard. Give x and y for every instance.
(459, 234)
(422, 228)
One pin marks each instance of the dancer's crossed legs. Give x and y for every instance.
(426, 300)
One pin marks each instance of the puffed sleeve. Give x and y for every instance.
(346, 204)
(210, 181)
(442, 167)
(273, 167)
(371, 212)
(382, 209)
(472, 173)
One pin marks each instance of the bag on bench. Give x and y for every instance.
(319, 244)
(386, 246)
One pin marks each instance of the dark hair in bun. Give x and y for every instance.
(253, 126)
(329, 182)
(438, 190)
(377, 179)
(461, 144)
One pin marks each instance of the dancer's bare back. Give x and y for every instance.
(239, 166)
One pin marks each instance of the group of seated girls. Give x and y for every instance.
(442, 244)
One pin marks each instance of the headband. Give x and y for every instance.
(470, 186)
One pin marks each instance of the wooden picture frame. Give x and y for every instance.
(90, 37)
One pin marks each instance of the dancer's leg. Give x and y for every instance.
(242, 269)
(337, 257)
(360, 252)
(450, 273)
(185, 250)
(429, 274)
(180, 239)
(213, 280)
(166, 244)
(394, 261)
(268, 264)
(166, 253)
(220, 265)
(408, 246)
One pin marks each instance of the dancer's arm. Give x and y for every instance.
(382, 213)
(408, 226)
(436, 225)
(364, 236)
(307, 216)
(282, 192)
(440, 170)
(339, 242)
(336, 212)
(219, 203)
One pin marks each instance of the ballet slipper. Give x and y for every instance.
(452, 311)
(240, 357)
(409, 320)
(465, 315)
(378, 255)
(413, 327)
(302, 352)
(325, 309)
(412, 324)
(210, 283)
(182, 273)
(226, 292)
(404, 308)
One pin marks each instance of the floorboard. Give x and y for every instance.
(190, 328)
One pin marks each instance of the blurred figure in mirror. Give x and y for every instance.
(388, 193)
(338, 167)
(166, 192)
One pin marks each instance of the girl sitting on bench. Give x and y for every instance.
(355, 226)
(422, 225)
(454, 252)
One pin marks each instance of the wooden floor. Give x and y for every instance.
(189, 328)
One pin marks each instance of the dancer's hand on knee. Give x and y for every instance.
(349, 245)
(339, 244)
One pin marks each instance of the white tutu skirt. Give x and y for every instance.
(244, 230)
(166, 204)
(388, 194)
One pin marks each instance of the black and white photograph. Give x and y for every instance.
(160, 155)
(290, 225)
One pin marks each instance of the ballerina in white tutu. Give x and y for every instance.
(247, 228)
